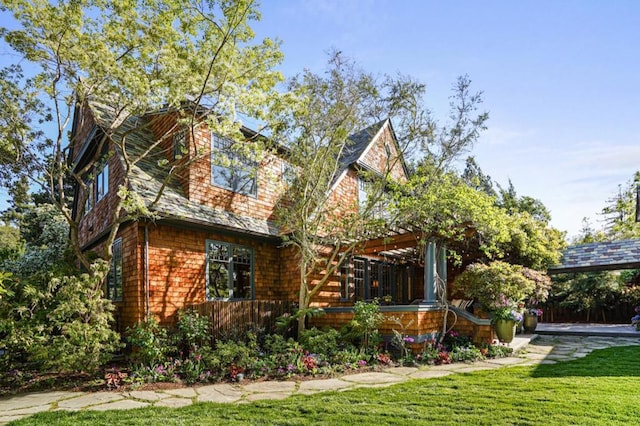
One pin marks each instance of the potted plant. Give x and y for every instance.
(530, 321)
(505, 317)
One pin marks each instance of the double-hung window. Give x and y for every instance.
(114, 278)
(102, 182)
(97, 187)
(231, 170)
(229, 271)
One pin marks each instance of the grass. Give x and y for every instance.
(598, 389)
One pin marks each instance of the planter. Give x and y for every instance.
(519, 326)
(505, 330)
(530, 322)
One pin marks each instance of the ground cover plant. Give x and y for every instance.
(597, 389)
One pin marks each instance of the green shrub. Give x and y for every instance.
(150, 343)
(322, 342)
(465, 354)
(365, 323)
(193, 331)
(233, 355)
(81, 336)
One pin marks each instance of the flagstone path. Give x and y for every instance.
(542, 350)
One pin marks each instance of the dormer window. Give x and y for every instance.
(230, 170)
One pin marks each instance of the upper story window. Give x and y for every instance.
(229, 271)
(98, 187)
(179, 144)
(362, 193)
(102, 182)
(380, 208)
(230, 170)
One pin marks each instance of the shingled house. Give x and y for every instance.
(212, 234)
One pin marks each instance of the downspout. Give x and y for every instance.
(146, 271)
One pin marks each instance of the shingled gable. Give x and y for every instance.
(361, 143)
(147, 176)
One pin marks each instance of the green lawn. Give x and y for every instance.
(599, 389)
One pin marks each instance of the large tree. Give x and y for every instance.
(331, 107)
(197, 59)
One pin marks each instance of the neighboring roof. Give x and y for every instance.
(603, 256)
(147, 177)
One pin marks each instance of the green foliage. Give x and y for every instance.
(137, 58)
(364, 325)
(82, 338)
(466, 354)
(472, 223)
(150, 343)
(620, 212)
(11, 245)
(323, 342)
(62, 323)
(234, 354)
(194, 331)
(491, 284)
(588, 292)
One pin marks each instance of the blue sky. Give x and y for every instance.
(560, 80)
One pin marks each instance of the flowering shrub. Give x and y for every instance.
(504, 309)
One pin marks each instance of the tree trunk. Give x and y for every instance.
(303, 299)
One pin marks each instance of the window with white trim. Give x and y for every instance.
(229, 271)
(102, 182)
(230, 170)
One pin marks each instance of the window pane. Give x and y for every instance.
(219, 251)
(114, 278)
(102, 183)
(359, 266)
(345, 280)
(241, 281)
(230, 270)
(230, 170)
(218, 287)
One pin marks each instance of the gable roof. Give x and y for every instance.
(147, 178)
(603, 256)
(361, 142)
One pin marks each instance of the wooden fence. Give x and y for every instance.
(232, 319)
(620, 314)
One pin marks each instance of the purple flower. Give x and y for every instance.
(408, 339)
(362, 362)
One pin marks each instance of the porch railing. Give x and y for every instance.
(234, 318)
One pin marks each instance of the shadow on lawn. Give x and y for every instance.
(623, 361)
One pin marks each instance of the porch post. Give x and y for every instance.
(442, 270)
(430, 266)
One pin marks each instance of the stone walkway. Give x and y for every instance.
(535, 350)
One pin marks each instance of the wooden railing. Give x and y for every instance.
(235, 317)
